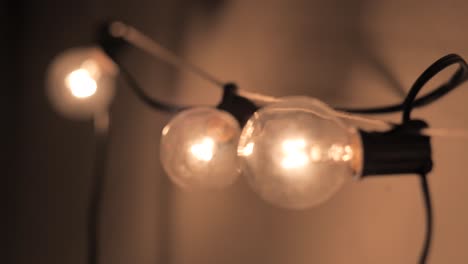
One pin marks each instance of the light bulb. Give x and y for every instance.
(198, 148)
(296, 153)
(81, 82)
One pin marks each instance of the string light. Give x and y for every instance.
(295, 152)
(302, 155)
(81, 82)
(198, 149)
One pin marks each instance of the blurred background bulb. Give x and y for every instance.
(296, 153)
(198, 148)
(81, 82)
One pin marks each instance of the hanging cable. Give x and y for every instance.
(459, 77)
(137, 39)
(141, 94)
(429, 219)
(95, 202)
(120, 32)
(407, 107)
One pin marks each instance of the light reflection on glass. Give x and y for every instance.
(247, 150)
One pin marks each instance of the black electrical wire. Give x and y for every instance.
(114, 36)
(141, 94)
(411, 101)
(95, 202)
(429, 218)
(460, 76)
(407, 107)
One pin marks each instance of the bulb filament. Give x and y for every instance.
(297, 153)
(204, 150)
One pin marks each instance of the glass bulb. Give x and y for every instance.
(296, 153)
(81, 82)
(198, 148)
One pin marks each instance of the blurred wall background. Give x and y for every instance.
(352, 53)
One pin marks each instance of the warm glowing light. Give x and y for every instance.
(335, 152)
(340, 153)
(198, 149)
(303, 152)
(348, 153)
(203, 150)
(247, 150)
(165, 130)
(91, 67)
(294, 153)
(81, 83)
(315, 154)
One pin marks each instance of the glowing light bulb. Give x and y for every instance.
(198, 148)
(303, 153)
(81, 83)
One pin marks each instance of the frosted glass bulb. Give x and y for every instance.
(198, 149)
(296, 153)
(81, 82)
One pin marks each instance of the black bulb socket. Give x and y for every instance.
(110, 43)
(401, 150)
(239, 107)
